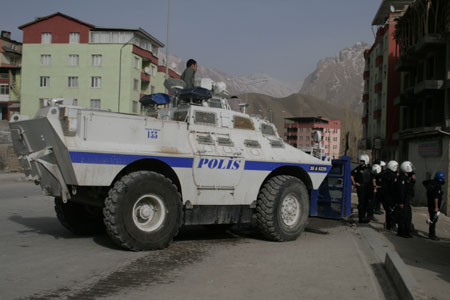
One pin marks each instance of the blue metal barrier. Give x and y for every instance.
(333, 199)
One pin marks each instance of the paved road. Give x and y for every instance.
(39, 259)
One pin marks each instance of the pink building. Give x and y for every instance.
(299, 132)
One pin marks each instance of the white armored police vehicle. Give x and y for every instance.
(188, 160)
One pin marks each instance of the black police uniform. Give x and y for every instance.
(388, 183)
(434, 191)
(405, 192)
(362, 175)
(379, 194)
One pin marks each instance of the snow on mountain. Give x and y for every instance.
(339, 79)
(253, 83)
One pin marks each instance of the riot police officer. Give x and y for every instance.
(405, 190)
(434, 197)
(389, 182)
(377, 178)
(362, 180)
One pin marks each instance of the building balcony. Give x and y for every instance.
(379, 60)
(365, 120)
(366, 75)
(428, 85)
(365, 97)
(377, 114)
(145, 77)
(429, 42)
(5, 98)
(378, 87)
(419, 132)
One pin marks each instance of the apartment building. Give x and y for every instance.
(10, 79)
(382, 85)
(100, 68)
(299, 132)
(423, 37)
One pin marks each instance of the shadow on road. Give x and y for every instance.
(42, 225)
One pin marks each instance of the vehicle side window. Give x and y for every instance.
(252, 144)
(222, 141)
(243, 123)
(267, 129)
(205, 139)
(205, 118)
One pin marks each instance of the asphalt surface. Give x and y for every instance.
(39, 259)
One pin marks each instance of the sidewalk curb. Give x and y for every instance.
(403, 280)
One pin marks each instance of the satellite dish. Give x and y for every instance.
(147, 70)
(392, 9)
(173, 85)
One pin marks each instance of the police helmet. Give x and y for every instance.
(376, 169)
(406, 167)
(439, 176)
(392, 165)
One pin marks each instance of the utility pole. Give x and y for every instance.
(167, 41)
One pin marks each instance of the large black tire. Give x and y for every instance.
(143, 211)
(282, 208)
(78, 218)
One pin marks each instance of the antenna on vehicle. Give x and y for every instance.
(243, 107)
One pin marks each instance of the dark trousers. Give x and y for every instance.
(363, 203)
(405, 219)
(388, 207)
(432, 226)
(378, 200)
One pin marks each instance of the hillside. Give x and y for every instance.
(298, 105)
(339, 79)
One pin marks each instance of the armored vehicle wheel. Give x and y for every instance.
(78, 218)
(143, 211)
(282, 208)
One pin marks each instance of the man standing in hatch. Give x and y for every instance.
(188, 75)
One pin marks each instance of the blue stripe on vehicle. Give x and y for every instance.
(125, 159)
(270, 166)
(181, 162)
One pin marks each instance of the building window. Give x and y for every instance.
(45, 81)
(135, 84)
(45, 60)
(4, 89)
(74, 38)
(96, 82)
(136, 62)
(73, 82)
(46, 38)
(95, 103)
(152, 89)
(75, 102)
(153, 70)
(74, 59)
(96, 60)
(135, 106)
(13, 61)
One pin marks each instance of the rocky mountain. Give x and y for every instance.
(339, 79)
(298, 105)
(253, 83)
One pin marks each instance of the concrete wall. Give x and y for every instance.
(426, 167)
(8, 159)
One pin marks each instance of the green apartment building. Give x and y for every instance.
(100, 68)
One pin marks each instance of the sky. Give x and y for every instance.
(282, 38)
